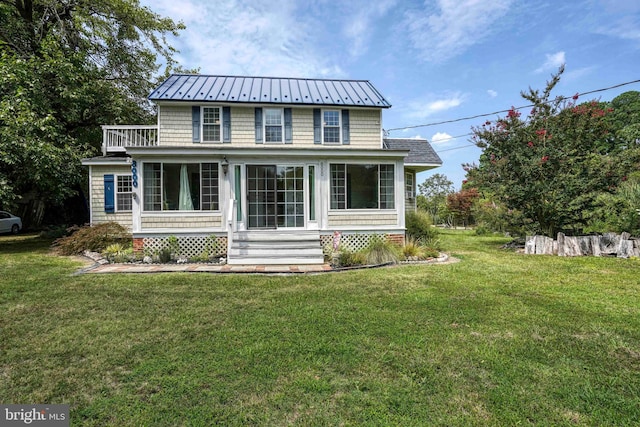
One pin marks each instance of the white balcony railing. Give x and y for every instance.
(119, 137)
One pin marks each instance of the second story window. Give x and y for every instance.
(211, 124)
(331, 126)
(273, 125)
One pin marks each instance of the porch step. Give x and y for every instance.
(275, 247)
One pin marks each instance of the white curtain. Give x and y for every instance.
(185, 203)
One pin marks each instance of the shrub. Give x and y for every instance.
(381, 251)
(173, 245)
(118, 253)
(412, 248)
(346, 258)
(419, 226)
(164, 255)
(92, 238)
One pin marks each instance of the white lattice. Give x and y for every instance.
(191, 246)
(351, 242)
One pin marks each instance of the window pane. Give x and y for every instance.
(211, 124)
(312, 193)
(331, 134)
(152, 188)
(331, 118)
(273, 133)
(387, 183)
(273, 124)
(210, 187)
(272, 116)
(173, 180)
(123, 193)
(338, 190)
(331, 126)
(362, 186)
(211, 133)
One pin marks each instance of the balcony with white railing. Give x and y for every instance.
(117, 138)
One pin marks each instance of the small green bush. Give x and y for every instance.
(173, 245)
(164, 255)
(419, 226)
(92, 238)
(118, 253)
(412, 248)
(381, 251)
(347, 258)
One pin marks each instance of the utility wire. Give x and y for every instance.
(517, 108)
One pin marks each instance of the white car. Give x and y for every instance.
(9, 223)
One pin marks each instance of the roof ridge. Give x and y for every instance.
(269, 77)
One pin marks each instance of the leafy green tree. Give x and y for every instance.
(433, 196)
(66, 67)
(552, 166)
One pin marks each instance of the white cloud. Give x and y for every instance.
(492, 93)
(440, 138)
(421, 109)
(247, 37)
(554, 60)
(625, 28)
(453, 27)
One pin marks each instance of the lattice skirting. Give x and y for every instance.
(357, 242)
(189, 246)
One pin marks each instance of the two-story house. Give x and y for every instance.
(263, 170)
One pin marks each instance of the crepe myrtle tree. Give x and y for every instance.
(551, 165)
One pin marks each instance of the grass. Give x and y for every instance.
(496, 339)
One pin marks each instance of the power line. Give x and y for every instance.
(477, 116)
(457, 148)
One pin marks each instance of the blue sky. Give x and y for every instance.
(434, 60)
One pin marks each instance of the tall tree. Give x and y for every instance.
(551, 166)
(66, 67)
(433, 196)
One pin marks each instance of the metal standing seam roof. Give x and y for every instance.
(269, 90)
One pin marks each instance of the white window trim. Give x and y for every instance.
(163, 211)
(378, 209)
(117, 192)
(202, 124)
(409, 193)
(264, 125)
(339, 126)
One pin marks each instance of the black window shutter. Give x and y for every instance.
(226, 124)
(317, 126)
(195, 122)
(258, 125)
(288, 126)
(345, 127)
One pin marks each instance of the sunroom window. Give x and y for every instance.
(180, 186)
(355, 186)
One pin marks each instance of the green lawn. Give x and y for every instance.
(496, 339)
